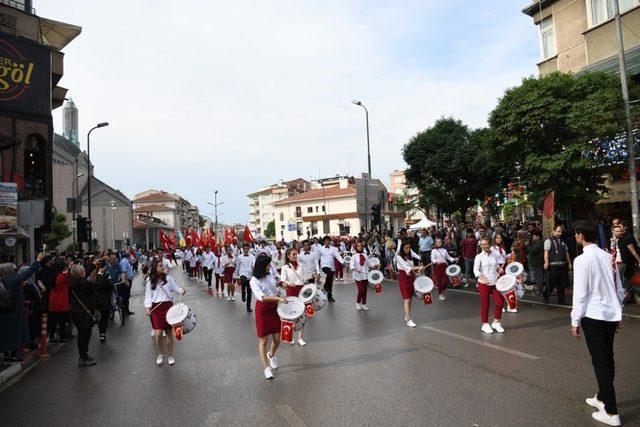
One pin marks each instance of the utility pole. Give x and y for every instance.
(631, 149)
(113, 224)
(215, 205)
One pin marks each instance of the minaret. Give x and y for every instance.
(70, 122)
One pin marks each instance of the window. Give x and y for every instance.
(322, 208)
(298, 211)
(317, 209)
(314, 228)
(310, 209)
(600, 11)
(626, 5)
(547, 38)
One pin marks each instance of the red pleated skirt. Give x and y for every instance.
(293, 291)
(405, 282)
(228, 274)
(159, 315)
(267, 319)
(440, 278)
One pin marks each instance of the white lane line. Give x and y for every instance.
(567, 307)
(229, 377)
(290, 416)
(482, 343)
(213, 419)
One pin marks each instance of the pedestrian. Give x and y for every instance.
(82, 299)
(439, 261)
(228, 266)
(360, 269)
(486, 269)
(469, 252)
(263, 285)
(557, 263)
(292, 276)
(327, 254)
(597, 307)
(207, 267)
(125, 288)
(406, 277)
(535, 261)
(59, 307)
(218, 270)
(104, 292)
(243, 270)
(158, 299)
(629, 255)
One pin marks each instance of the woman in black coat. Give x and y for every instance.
(82, 297)
(104, 290)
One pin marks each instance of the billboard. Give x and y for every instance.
(8, 207)
(25, 76)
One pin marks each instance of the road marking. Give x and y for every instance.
(482, 343)
(567, 307)
(290, 416)
(213, 419)
(229, 377)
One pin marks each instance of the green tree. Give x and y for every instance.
(451, 166)
(270, 231)
(59, 230)
(561, 132)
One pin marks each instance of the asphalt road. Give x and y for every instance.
(358, 368)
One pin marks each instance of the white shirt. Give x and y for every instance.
(227, 261)
(187, 255)
(166, 264)
(500, 253)
(440, 256)
(596, 294)
(327, 254)
(161, 293)
(413, 254)
(218, 265)
(207, 260)
(244, 265)
(403, 264)
(292, 277)
(309, 263)
(263, 287)
(193, 261)
(359, 271)
(278, 259)
(487, 264)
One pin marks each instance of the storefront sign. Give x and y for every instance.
(25, 76)
(10, 241)
(8, 207)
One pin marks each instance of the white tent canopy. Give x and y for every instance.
(423, 223)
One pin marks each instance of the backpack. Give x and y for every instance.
(6, 299)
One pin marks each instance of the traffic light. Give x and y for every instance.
(375, 213)
(81, 229)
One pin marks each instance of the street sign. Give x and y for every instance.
(291, 226)
(125, 235)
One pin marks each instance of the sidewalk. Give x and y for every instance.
(11, 372)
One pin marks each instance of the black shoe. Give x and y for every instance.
(82, 363)
(69, 337)
(53, 340)
(129, 313)
(63, 341)
(331, 299)
(249, 310)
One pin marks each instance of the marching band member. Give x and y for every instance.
(218, 270)
(228, 263)
(339, 270)
(263, 285)
(503, 259)
(486, 269)
(406, 277)
(279, 257)
(292, 277)
(207, 265)
(187, 256)
(157, 301)
(308, 259)
(198, 258)
(327, 254)
(244, 270)
(360, 269)
(439, 262)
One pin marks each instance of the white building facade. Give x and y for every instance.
(262, 203)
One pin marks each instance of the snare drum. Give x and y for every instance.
(506, 286)
(374, 279)
(454, 272)
(374, 262)
(423, 285)
(182, 319)
(312, 295)
(517, 269)
(293, 311)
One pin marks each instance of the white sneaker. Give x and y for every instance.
(358, 306)
(497, 326)
(365, 308)
(411, 323)
(504, 310)
(442, 297)
(292, 342)
(512, 310)
(603, 417)
(159, 360)
(273, 361)
(486, 328)
(595, 402)
(466, 285)
(228, 299)
(302, 342)
(233, 299)
(171, 361)
(268, 374)
(153, 333)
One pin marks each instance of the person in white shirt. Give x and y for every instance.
(597, 307)
(292, 276)
(244, 269)
(187, 256)
(157, 301)
(263, 285)
(308, 259)
(439, 262)
(327, 254)
(207, 266)
(228, 267)
(218, 270)
(406, 277)
(485, 268)
(193, 263)
(278, 257)
(360, 270)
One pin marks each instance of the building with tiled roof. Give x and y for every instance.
(171, 209)
(261, 202)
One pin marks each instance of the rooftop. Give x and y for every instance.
(319, 194)
(161, 196)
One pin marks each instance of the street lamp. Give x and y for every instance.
(89, 225)
(215, 205)
(113, 224)
(366, 202)
(74, 193)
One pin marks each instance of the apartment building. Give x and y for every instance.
(261, 203)
(173, 210)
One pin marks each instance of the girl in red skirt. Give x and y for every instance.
(263, 286)
(439, 262)
(228, 262)
(406, 277)
(359, 266)
(339, 274)
(157, 301)
(292, 277)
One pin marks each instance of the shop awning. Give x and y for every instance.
(58, 34)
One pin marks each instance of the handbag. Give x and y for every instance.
(7, 302)
(95, 316)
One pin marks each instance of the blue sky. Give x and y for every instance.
(237, 95)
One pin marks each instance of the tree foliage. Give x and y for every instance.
(270, 231)
(560, 132)
(59, 230)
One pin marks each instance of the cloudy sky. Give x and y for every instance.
(240, 94)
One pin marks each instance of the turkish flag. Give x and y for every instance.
(227, 237)
(233, 234)
(378, 288)
(512, 301)
(286, 331)
(549, 202)
(247, 235)
(427, 299)
(309, 310)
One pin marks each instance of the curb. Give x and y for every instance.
(12, 374)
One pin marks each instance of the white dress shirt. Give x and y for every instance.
(500, 253)
(413, 254)
(263, 287)
(309, 263)
(597, 292)
(244, 265)
(187, 255)
(161, 293)
(277, 258)
(218, 265)
(440, 256)
(207, 260)
(360, 271)
(166, 264)
(487, 264)
(327, 254)
(291, 276)
(403, 264)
